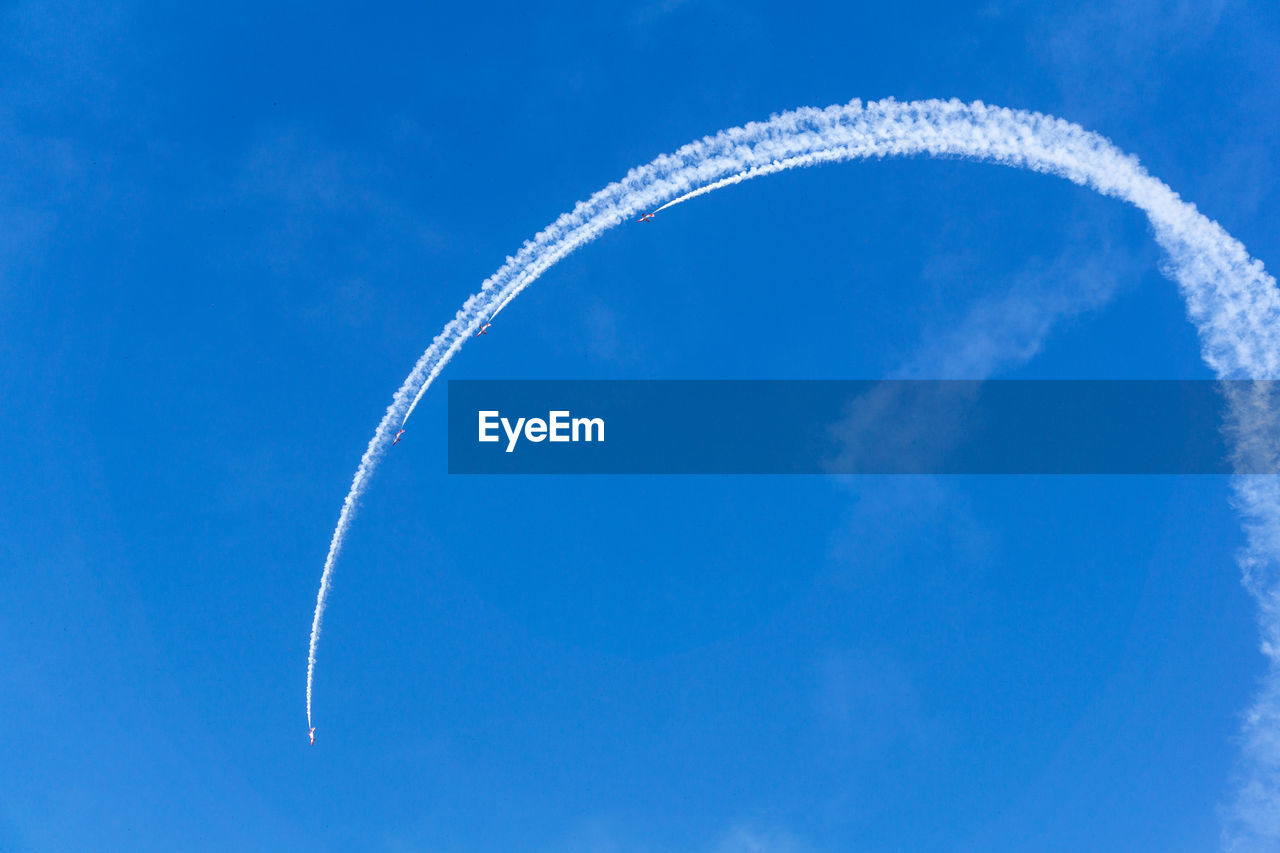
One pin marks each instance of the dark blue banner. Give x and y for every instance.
(862, 427)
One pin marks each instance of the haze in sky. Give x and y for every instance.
(230, 233)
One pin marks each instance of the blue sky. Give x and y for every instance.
(228, 233)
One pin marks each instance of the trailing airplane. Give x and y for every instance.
(648, 217)
(484, 330)
(394, 442)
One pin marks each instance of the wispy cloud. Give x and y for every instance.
(1008, 327)
(869, 705)
(605, 835)
(754, 839)
(325, 221)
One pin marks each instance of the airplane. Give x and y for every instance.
(312, 734)
(484, 330)
(648, 217)
(394, 442)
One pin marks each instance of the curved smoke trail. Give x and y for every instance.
(1231, 299)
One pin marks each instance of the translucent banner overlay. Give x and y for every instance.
(864, 427)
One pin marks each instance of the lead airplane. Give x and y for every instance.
(312, 735)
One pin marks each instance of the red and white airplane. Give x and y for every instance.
(394, 442)
(312, 733)
(484, 330)
(648, 217)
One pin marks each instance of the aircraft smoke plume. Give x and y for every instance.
(1230, 298)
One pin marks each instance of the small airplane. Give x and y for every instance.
(312, 735)
(484, 330)
(394, 442)
(648, 217)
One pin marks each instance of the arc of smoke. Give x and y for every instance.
(1231, 299)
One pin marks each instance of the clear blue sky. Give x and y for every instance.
(226, 233)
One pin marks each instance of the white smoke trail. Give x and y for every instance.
(1230, 298)
(755, 172)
